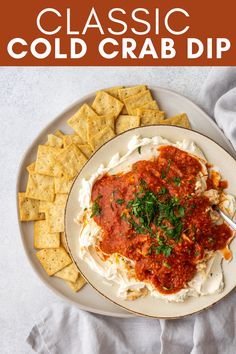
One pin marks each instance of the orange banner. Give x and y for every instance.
(110, 33)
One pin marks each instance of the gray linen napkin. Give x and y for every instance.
(218, 99)
(61, 329)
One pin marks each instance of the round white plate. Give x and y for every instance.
(150, 306)
(88, 298)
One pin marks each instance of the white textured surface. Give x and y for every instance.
(29, 99)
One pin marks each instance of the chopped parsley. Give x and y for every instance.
(163, 248)
(177, 181)
(173, 212)
(139, 149)
(144, 208)
(137, 227)
(149, 251)
(96, 210)
(162, 210)
(163, 190)
(181, 211)
(120, 201)
(173, 233)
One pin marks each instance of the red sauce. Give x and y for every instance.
(223, 184)
(171, 178)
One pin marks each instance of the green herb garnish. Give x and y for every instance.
(139, 149)
(138, 228)
(163, 248)
(150, 250)
(177, 181)
(96, 210)
(120, 201)
(144, 208)
(162, 191)
(148, 209)
(181, 211)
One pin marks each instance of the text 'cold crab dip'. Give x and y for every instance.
(149, 223)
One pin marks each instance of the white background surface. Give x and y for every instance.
(29, 99)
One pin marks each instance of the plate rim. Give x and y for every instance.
(43, 132)
(102, 294)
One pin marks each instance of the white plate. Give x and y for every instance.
(150, 306)
(88, 298)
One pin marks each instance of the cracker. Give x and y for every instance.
(69, 162)
(54, 141)
(40, 187)
(43, 206)
(60, 199)
(29, 208)
(106, 104)
(97, 124)
(180, 120)
(127, 92)
(113, 91)
(131, 91)
(62, 184)
(136, 101)
(53, 259)
(150, 116)
(55, 214)
(125, 122)
(101, 138)
(150, 105)
(86, 150)
(44, 239)
(31, 168)
(69, 273)
(72, 139)
(45, 162)
(63, 241)
(78, 121)
(80, 282)
(59, 134)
